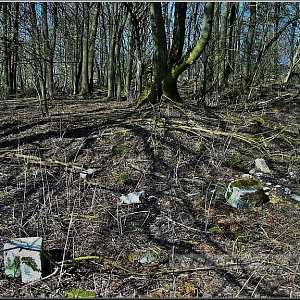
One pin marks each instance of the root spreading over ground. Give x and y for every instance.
(183, 240)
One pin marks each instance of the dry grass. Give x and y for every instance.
(183, 159)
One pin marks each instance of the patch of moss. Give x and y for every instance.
(219, 191)
(124, 179)
(200, 146)
(242, 236)
(119, 149)
(258, 121)
(80, 294)
(216, 229)
(233, 160)
(245, 183)
(275, 111)
(159, 154)
(144, 97)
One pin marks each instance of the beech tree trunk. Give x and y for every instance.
(249, 46)
(91, 53)
(85, 51)
(164, 79)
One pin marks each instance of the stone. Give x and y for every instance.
(23, 257)
(88, 174)
(261, 165)
(295, 197)
(246, 193)
(132, 198)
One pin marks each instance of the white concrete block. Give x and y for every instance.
(22, 257)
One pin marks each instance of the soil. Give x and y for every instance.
(183, 239)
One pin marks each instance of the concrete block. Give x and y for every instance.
(23, 257)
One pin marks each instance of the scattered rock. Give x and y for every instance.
(246, 193)
(261, 165)
(247, 176)
(88, 174)
(131, 198)
(295, 197)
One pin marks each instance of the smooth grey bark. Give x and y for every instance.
(249, 46)
(137, 16)
(223, 45)
(5, 47)
(48, 48)
(112, 45)
(164, 81)
(92, 39)
(85, 51)
(230, 66)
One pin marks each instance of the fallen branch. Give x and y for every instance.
(195, 128)
(184, 179)
(37, 160)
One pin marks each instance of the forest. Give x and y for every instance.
(123, 126)
(49, 48)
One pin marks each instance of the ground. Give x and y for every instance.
(183, 239)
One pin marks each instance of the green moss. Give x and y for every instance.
(80, 294)
(258, 121)
(234, 160)
(216, 229)
(245, 183)
(119, 149)
(159, 152)
(124, 179)
(200, 146)
(145, 96)
(242, 236)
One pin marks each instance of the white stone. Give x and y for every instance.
(261, 165)
(131, 198)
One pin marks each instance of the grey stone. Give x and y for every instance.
(131, 198)
(246, 193)
(261, 165)
(295, 197)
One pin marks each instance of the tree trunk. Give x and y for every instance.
(112, 45)
(85, 51)
(223, 43)
(164, 80)
(136, 23)
(248, 46)
(231, 59)
(268, 45)
(48, 49)
(6, 53)
(39, 54)
(91, 54)
(128, 79)
(159, 51)
(15, 49)
(77, 51)
(294, 53)
(118, 20)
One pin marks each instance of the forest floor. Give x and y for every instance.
(183, 239)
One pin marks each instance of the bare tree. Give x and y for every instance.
(249, 46)
(164, 79)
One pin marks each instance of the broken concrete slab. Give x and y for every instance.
(23, 257)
